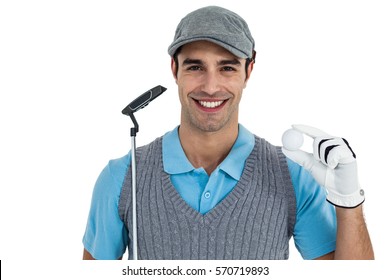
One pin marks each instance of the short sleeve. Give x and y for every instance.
(106, 236)
(315, 227)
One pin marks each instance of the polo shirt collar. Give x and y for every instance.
(174, 158)
(176, 162)
(234, 163)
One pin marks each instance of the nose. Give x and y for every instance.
(211, 82)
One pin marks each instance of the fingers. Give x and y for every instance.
(307, 161)
(324, 150)
(332, 151)
(310, 131)
(302, 158)
(327, 149)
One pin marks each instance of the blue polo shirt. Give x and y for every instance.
(106, 236)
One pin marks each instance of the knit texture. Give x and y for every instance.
(254, 221)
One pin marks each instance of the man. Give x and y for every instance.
(210, 189)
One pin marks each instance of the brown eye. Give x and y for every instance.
(228, 68)
(194, 68)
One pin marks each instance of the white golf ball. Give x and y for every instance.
(292, 139)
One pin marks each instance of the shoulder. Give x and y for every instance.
(117, 168)
(112, 176)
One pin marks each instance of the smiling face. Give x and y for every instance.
(210, 81)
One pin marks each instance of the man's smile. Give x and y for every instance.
(210, 105)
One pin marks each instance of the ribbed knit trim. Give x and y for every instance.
(289, 191)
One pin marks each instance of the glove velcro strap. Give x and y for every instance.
(346, 201)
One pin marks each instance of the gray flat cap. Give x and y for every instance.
(217, 25)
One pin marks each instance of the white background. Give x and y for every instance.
(68, 68)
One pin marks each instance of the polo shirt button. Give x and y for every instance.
(207, 194)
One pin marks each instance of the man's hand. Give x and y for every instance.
(332, 164)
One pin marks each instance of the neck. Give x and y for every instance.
(207, 149)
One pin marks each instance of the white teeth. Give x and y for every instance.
(212, 104)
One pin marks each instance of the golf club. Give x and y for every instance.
(137, 104)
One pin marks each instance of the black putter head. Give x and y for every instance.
(143, 100)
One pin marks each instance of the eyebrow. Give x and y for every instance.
(190, 61)
(233, 61)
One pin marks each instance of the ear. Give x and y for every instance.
(174, 68)
(249, 71)
(250, 68)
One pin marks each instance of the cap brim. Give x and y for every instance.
(173, 48)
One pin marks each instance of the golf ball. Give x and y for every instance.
(292, 139)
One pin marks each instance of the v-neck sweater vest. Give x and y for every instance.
(254, 221)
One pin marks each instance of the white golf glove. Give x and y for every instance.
(333, 166)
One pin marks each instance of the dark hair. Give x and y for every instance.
(247, 61)
(176, 60)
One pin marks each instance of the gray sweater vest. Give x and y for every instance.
(254, 221)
